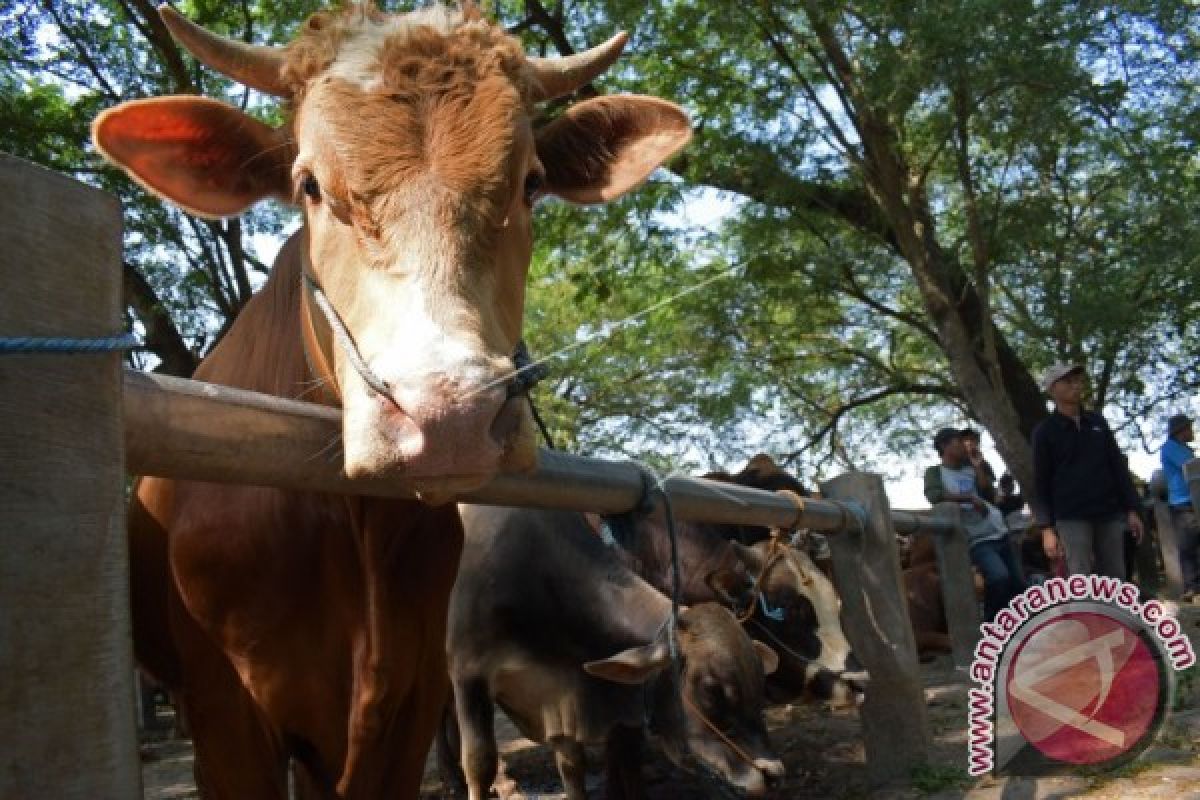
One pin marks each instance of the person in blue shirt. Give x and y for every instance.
(1174, 454)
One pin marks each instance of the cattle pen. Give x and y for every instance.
(75, 426)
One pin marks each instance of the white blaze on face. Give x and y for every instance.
(359, 59)
(416, 314)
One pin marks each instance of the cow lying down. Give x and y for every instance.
(546, 623)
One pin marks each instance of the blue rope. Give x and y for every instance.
(10, 345)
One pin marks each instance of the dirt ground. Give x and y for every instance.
(824, 757)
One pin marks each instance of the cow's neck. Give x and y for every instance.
(264, 348)
(642, 610)
(701, 550)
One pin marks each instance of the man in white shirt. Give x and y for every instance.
(954, 480)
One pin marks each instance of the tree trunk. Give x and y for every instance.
(1010, 410)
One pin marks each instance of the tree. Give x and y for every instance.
(958, 194)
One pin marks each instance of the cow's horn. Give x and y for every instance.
(251, 65)
(559, 76)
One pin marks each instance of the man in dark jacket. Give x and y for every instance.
(1084, 497)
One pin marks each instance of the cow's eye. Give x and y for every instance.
(310, 187)
(534, 182)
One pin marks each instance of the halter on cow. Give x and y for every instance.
(306, 626)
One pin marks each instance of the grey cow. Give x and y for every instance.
(546, 623)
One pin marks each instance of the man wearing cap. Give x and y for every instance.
(1174, 454)
(1084, 496)
(955, 480)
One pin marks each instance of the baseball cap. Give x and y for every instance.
(970, 433)
(1056, 372)
(1177, 423)
(944, 437)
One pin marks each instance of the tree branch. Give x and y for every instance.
(162, 337)
(155, 31)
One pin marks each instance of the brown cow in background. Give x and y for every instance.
(926, 604)
(309, 627)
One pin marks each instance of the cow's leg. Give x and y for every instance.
(623, 764)
(236, 756)
(572, 767)
(449, 753)
(477, 735)
(399, 760)
(401, 681)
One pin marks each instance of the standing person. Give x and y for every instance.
(985, 476)
(1174, 454)
(954, 481)
(1084, 497)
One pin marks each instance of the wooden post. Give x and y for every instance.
(67, 726)
(1146, 555)
(958, 583)
(875, 618)
(1168, 539)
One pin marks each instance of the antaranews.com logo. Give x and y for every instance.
(1075, 672)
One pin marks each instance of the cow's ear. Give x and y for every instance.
(768, 657)
(601, 148)
(632, 666)
(731, 587)
(207, 157)
(748, 556)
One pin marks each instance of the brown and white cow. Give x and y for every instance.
(547, 623)
(307, 627)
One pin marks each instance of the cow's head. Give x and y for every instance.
(711, 718)
(411, 148)
(789, 603)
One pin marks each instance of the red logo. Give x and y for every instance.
(1084, 688)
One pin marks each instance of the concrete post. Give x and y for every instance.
(958, 584)
(1168, 539)
(67, 727)
(875, 617)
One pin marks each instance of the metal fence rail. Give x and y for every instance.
(189, 430)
